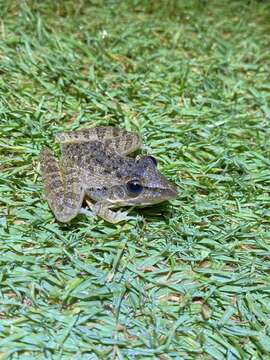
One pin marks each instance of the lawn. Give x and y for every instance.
(183, 280)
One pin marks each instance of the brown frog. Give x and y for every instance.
(94, 167)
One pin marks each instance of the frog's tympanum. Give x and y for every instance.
(94, 167)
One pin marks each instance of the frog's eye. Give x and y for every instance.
(134, 187)
(154, 161)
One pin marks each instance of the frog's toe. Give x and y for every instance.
(109, 215)
(123, 215)
(87, 212)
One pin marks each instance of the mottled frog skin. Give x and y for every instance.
(94, 167)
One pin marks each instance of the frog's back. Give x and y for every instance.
(122, 141)
(98, 163)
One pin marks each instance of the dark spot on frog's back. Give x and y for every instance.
(120, 161)
(101, 132)
(52, 168)
(56, 183)
(115, 132)
(129, 165)
(101, 158)
(107, 171)
(129, 141)
(85, 133)
(91, 147)
(75, 135)
(118, 174)
(98, 161)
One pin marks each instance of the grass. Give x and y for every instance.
(191, 279)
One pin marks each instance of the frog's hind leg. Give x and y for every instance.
(122, 141)
(62, 186)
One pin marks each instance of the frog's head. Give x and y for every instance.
(144, 185)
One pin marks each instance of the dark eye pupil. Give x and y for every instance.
(134, 187)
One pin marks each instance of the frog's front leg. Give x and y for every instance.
(103, 210)
(62, 186)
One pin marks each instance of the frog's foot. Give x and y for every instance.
(87, 212)
(111, 216)
(102, 210)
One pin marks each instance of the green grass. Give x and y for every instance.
(190, 280)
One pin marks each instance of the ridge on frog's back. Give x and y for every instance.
(94, 167)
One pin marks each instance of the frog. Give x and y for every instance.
(95, 169)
